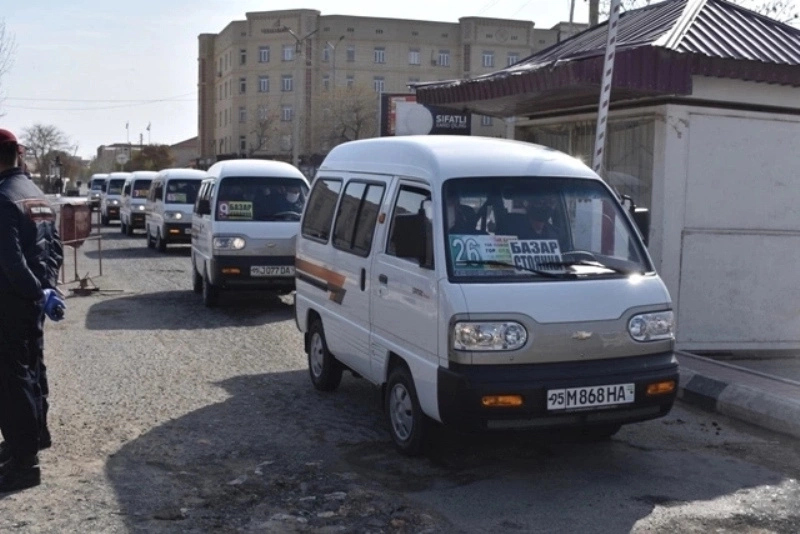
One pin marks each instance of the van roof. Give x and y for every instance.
(143, 174)
(100, 176)
(254, 167)
(119, 175)
(182, 173)
(439, 157)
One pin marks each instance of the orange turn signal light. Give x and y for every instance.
(231, 270)
(661, 388)
(174, 231)
(501, 401)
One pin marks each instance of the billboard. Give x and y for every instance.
(402, 115)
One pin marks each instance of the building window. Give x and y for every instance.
(378, 82)
(262, 113)
(326, 53)
(288, 52)
(242, 114)
(219, 71)
(380, 54)
(263, 54)
(379, 32)
(415, 33)
(513, 57)
(287, 83)
(326, 82)
(242, 56)
(242, 86)
(351, 30)
(242, 143)
(227, 117)
(263, 84)
(351, 81)
(488, 59)
(444, 58)
(351, 53)
(486, 120)
(287, 113)
(413, 56)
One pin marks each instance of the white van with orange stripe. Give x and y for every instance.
(483, 283)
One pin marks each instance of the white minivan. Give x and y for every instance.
(168, 210)
(111, 198)
(97, 184)
(483, 283)
(134, 197)
(244, 227)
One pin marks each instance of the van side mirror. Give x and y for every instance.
(203, 206)
(412, 237)
(641, 216)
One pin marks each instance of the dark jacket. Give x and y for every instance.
(30, 247)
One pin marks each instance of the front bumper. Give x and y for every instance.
(137, 219)
(461, 388)
(112, 212)
(178, 232)
(224, 272)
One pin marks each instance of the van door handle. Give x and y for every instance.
(383, 279)
(363, 279)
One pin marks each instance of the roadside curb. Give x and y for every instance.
(729, 393)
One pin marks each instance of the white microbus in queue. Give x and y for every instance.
(168, 209)
(134, 198)
(483, 283)
(112, 197)
(244, 227)
(97, 184)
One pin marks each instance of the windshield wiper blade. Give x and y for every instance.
(495, 263)
(599, 265)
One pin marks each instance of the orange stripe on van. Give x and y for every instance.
(334, 280)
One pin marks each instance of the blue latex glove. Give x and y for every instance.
(54, 305)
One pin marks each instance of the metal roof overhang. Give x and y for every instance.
(642, 72)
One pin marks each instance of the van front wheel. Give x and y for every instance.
(407, 422)
(325, 371)
(197, 280)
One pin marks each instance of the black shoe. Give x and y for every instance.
(17, 474)
(45, 441)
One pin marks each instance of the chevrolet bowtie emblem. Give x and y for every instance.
(582, 336)
(271, 245)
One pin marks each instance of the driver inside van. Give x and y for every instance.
(461, 219)
(538, 213)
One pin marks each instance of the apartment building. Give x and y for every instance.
(284, 84)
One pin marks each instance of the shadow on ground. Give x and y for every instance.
(277, 456)
(184, 310)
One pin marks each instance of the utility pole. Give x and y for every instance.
(605, 88)
(299, 93)
(332, 46)
(594, 12)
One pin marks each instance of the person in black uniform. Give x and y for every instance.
(30, 258)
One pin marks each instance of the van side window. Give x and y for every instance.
(159, 191)
(358, 212)
(126, 191)
(411, 203)
(201, 194)
(320, 208)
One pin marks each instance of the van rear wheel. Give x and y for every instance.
(197, 280)
(161, 245)
(324, 369)
(408, 425)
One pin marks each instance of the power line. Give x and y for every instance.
(97, 108)
(99, 100)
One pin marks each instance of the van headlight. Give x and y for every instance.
(229, 243)
(477, 336)
(174, 215)
(652, 326)
(114, 202)
(141, 207)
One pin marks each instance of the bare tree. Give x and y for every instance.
(7, 49)
(43, 142)
(346, 114)
(266, 129)
(781, 10)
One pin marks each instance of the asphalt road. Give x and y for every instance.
(167, 416)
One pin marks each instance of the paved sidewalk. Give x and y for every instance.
(763, 391)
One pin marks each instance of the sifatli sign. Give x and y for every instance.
(402, 115)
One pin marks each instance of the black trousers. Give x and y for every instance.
(21, 397)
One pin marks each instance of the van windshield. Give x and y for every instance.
(182, 191)
(250, 198)
(523, 228)
(115, 186)
(97, 184)
(141, 188)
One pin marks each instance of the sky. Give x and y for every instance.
(90, 67)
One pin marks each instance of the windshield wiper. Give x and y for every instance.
(591, 263)
(495, 263)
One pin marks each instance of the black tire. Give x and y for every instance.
(122, 227)
(161, 244)
(128, 230)
(197, 280)
(149, 238)
(210, 293)
(408, 425)
(104, 220)
(323, 368)
(598, 433)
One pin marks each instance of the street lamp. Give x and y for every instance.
(298, 96)
(332, 46)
